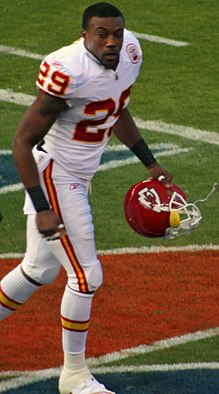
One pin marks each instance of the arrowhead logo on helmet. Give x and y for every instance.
(153, 210)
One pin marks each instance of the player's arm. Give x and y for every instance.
(127, 132)
(34, 125)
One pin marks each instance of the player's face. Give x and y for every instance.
(104, 38)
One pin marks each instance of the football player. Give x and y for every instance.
(83, 96)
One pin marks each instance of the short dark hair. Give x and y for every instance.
(101, 10)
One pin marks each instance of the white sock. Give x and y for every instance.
(15, 290)
(75, 311)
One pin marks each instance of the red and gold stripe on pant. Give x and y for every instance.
(8, 302)
(74, 325)
(66, 242)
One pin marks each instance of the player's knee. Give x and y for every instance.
(95, 277)
(42, 275)
(49, 275)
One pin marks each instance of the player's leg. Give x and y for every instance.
(77, 253)
(39, 266)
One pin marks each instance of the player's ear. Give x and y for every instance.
(83, 33)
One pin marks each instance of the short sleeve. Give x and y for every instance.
(54, 78)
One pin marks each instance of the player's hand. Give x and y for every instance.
(50, 225)
(158, 172)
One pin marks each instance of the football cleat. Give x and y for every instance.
(88, 386)
(154, 210)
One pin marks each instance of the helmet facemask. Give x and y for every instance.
(189, 217)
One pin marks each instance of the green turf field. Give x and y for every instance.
(177, 85)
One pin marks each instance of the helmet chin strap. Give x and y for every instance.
(213, 189)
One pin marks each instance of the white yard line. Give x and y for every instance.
(141, 250)
(134, 160)
(211, 137)
(168, 150)
(158, 345)
(12, 188)
(38, 376)
(161, 40)
(11, 255)
(20, 52)
(25, 378)
(5, 152)
(155, 368)
(158, 249)
(148, 37)
(10, 96)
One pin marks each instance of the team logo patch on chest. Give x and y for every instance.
(133, 53)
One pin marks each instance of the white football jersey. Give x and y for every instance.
(95, 96)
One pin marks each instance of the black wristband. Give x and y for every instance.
(38, 198)
(142, 151)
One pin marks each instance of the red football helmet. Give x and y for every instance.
(154, 210)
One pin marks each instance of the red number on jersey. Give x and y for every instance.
(82, 133)
(124, 96)
(58, 82)
(44, 70)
